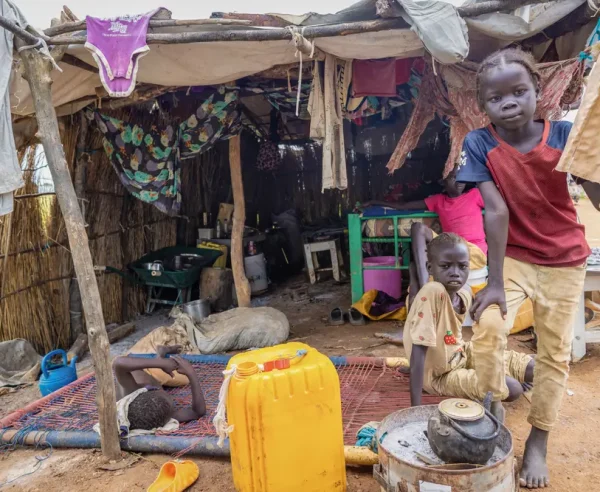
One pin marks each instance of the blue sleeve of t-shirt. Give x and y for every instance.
(472, 166)
(559, 134)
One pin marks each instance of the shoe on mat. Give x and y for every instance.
(175, 476)
(336, 317)
(355, 317)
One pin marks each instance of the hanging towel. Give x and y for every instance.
(316, 104)
(117, 45)
(10, 170)
(334, 150)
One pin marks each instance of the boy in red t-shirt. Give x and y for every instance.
(537, 247)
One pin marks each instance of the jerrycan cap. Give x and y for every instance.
(461, 409)
(276, 364)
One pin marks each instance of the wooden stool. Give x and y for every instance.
(312, 262)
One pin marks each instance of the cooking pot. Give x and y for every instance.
(197, 310)
(463, 431)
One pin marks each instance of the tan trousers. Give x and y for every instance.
(555, 294)
(461, 381)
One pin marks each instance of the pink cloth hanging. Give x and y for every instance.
(117, 45)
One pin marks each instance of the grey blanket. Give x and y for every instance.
(19, 363)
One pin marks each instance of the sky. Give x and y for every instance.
(39, 12)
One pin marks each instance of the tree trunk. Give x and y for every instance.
(81, 162)
(37, 70)
(216, 285)
(242, 286)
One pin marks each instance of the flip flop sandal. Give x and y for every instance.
(355, 317)
(175, 476)
(336, 317)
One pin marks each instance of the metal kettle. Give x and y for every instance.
(463, 431)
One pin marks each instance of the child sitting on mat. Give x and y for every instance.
(142, 404)
(441, 362)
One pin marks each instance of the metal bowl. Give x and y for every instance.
(197, 310)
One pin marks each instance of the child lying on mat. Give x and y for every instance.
(440, 361)
(142, 403)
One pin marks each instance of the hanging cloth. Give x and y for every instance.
(334, 151)
(10, 169)
(117, 45)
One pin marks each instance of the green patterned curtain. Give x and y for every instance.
(146, 158)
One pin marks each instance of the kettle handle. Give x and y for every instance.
(458, 428)
(48, 357)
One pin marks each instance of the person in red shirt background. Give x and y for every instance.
(460, 213)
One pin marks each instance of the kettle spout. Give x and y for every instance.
(73, 362)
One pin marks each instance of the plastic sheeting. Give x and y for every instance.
(441, 32)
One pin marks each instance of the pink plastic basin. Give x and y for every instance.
(388, 281)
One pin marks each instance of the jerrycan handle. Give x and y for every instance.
(48, 357)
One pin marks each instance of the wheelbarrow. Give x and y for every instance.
(180, 275)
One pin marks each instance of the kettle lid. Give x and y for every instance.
(461, 409)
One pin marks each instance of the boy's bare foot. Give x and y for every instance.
(395, 338)
(534, 472)
(497, 410)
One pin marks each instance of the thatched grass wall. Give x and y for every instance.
(35, 262)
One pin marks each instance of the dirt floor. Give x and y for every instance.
(574, 456)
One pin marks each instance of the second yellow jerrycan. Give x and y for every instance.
(284, 406)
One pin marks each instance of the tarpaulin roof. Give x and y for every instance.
(429, 25)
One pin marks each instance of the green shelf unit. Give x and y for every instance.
(402, 247)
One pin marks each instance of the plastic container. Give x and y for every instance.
(287, 423)
(256, 273)
(477, 280)
(55, 376)
(388, 281)
(221, 261)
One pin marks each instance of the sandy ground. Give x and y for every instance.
(574, 455)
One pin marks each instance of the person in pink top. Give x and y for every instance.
(459, 212)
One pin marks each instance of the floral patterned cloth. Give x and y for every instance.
(146, 159)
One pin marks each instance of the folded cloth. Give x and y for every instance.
(123, 418)
(374, 78)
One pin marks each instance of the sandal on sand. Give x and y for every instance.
(336, 317)
(355, 317)
(175, 476)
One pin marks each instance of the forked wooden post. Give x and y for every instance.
(242, 286)
(37, 70)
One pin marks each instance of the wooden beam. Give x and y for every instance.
(81, 25)
(37, 69)
(390, 9)
(275, 34)
(242, 286)
(481, 8)
(76, 62)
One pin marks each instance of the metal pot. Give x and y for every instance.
(156, 266)
(197, 310)
(463, 431)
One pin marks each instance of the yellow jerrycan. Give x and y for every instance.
(285, 413)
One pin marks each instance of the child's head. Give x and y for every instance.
(448, 261)
(452, 188)
(508, 84)
(149, 410)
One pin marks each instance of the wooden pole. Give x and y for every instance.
(389, 9)
(37, 70)
(81, 162)
(81, 25)
(273, 34)
(242, 286)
